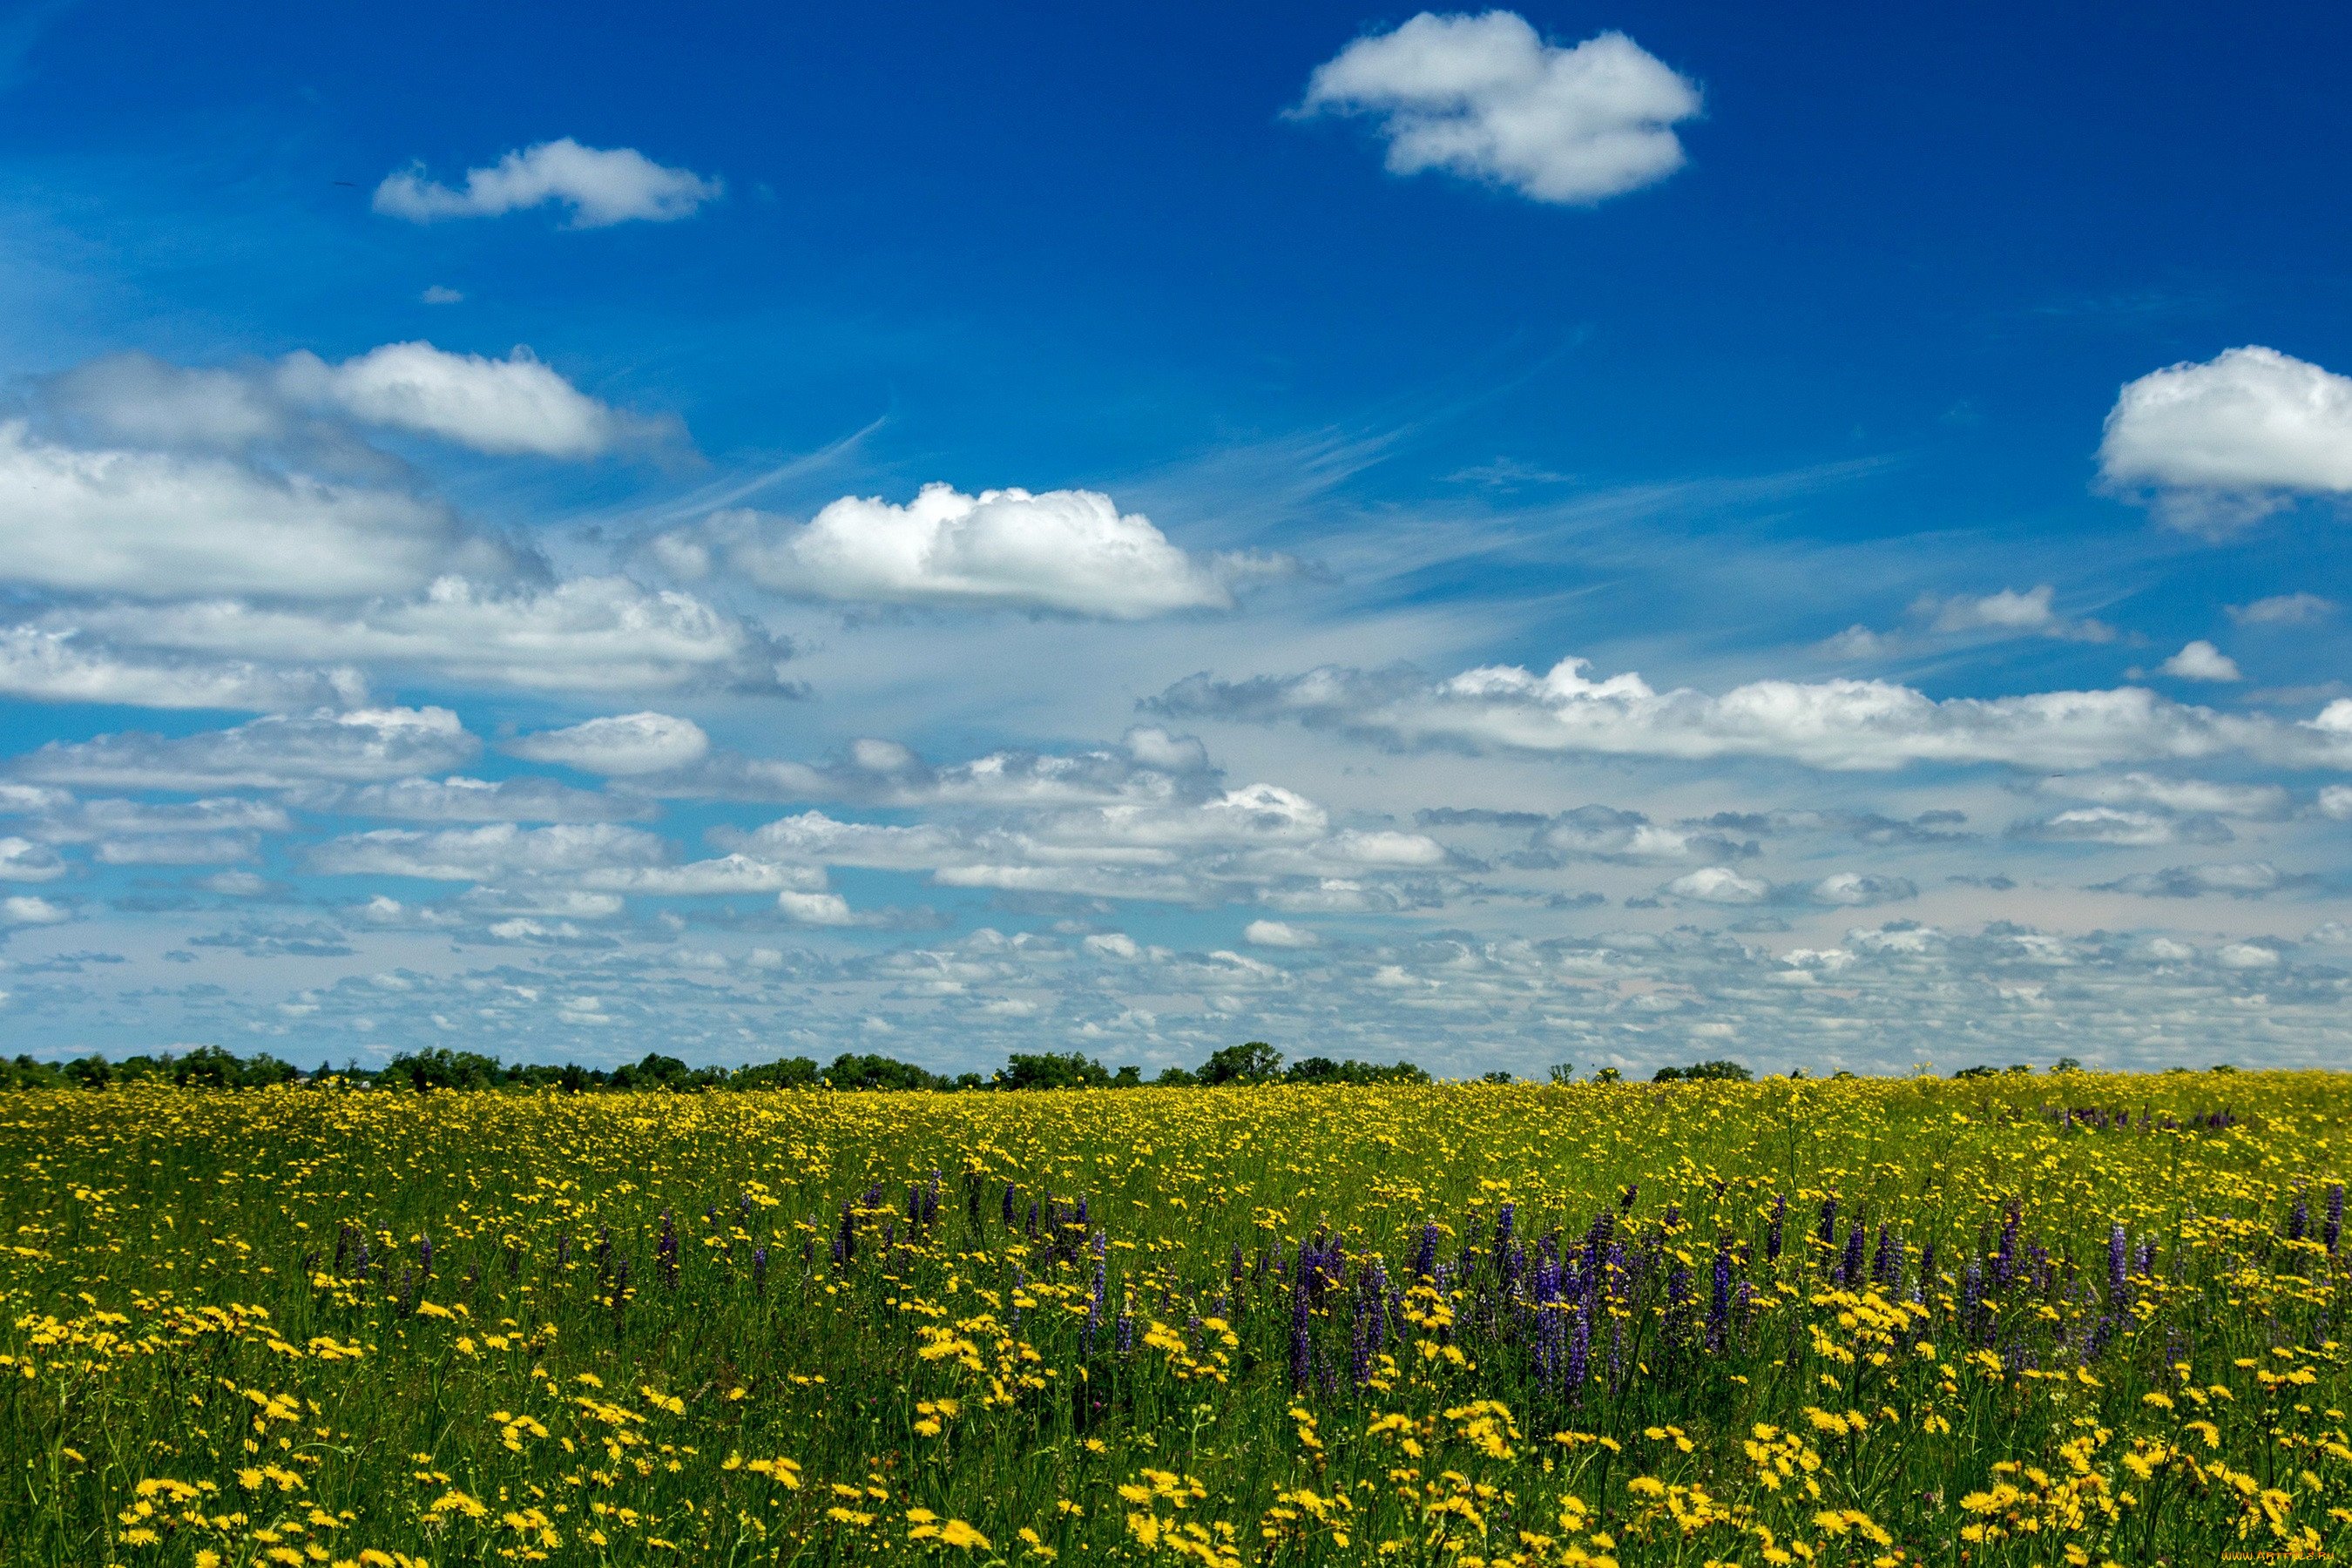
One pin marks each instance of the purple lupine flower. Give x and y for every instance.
(1850, 1267)
(1029, 1230)
(1827, 1234)
(1359, 1349)
(1008, 1205)
(844, 1243)
(1095, 1300)
(2334, 1231)
(1718, 1306)
(2298, 1219)
(2004, 1262)
(1625, 1199)
(1125, 1327)
(1971, 1301)
(1579, 1351)
(1772, 1235)
(1302, 1349)
(1424, 1262)
(425, 1255)
(2118, 1261)
(759, 1269)
(2146, 1260)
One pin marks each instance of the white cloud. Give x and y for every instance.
(1487, 99)
(2200, 660)
(178, 849)
(1275, 933)
(2242, 880)
(1717, 885)
(816, 909)
(441, 294)
(602, 186)
(54, 666)
(482, 854)
(583, 634)
(2256, 801)
(460, 799)
(2033, 612)
(277, 752)
(2335, 802)
(2247, 955)
(1068, 551)
(22, 909)
(2223, 441)
(154, 525)
(2283, 610)
(511, 406)
(1115, 944)
(1855, 890)
(621, 746)
(1834, 724)
(21, 860)
(2113, 825)
(727, 874)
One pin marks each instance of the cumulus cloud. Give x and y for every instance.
(601, 185)
(460, 799)
(1717, 885)
(1486, 97)
(2240, 879)
(621, 746)
(1277, 933)
(1858, 890)
(2256, 802)
(2200, 660)
(583, 634)
(62, 666)
(2219, 443)
(24, 909)
(2008, 613)
(1073, 552)
(2283, 610)
(275, 752)
(1833, 725)
(156, 525)
(21, 860)
(2119, 825)
(513, 406)
(488, 853)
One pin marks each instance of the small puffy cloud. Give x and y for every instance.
(2117, 826)
(623, 746)
(2200, 660)
(510, 406)
(157, 525)
(1068, 551)
(441, 294)
(2247, 955)
(1276, 934)
(2224, 441)
(815, 908)
(2283, 610)
(277, 752)
(488, 853)
(583, 634)
(1113, 945)
(1717, 885)
(2010, 613)
(2241, 880)
(1831, 725)
(460, 799)
(62, 666)
(21, 860)
(1855, 890)
(1487, 99)
(601, 185)
(2335, 801)
(2171, 795)
(24, 909)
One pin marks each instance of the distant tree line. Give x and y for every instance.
(1254, 1062)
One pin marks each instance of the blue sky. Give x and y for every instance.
(948, 531)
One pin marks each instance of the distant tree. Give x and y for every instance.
(1127, 1077)
(2223, 1066)
(1176, 1078)
(1608, 1075)
(1562, 1072)
(1717, 1072)
(788, 1072)
(1252, 1061)
(2065, 1064)
(1667, 1075)
(1052, 1070)
(1978, 1071)
(853, 1072)
(1496, 1076)
(2020, 1067)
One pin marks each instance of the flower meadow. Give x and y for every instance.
(2047, 1319)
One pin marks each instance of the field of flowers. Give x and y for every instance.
(2046, 1319)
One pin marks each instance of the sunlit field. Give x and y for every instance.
(2019, 1319)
